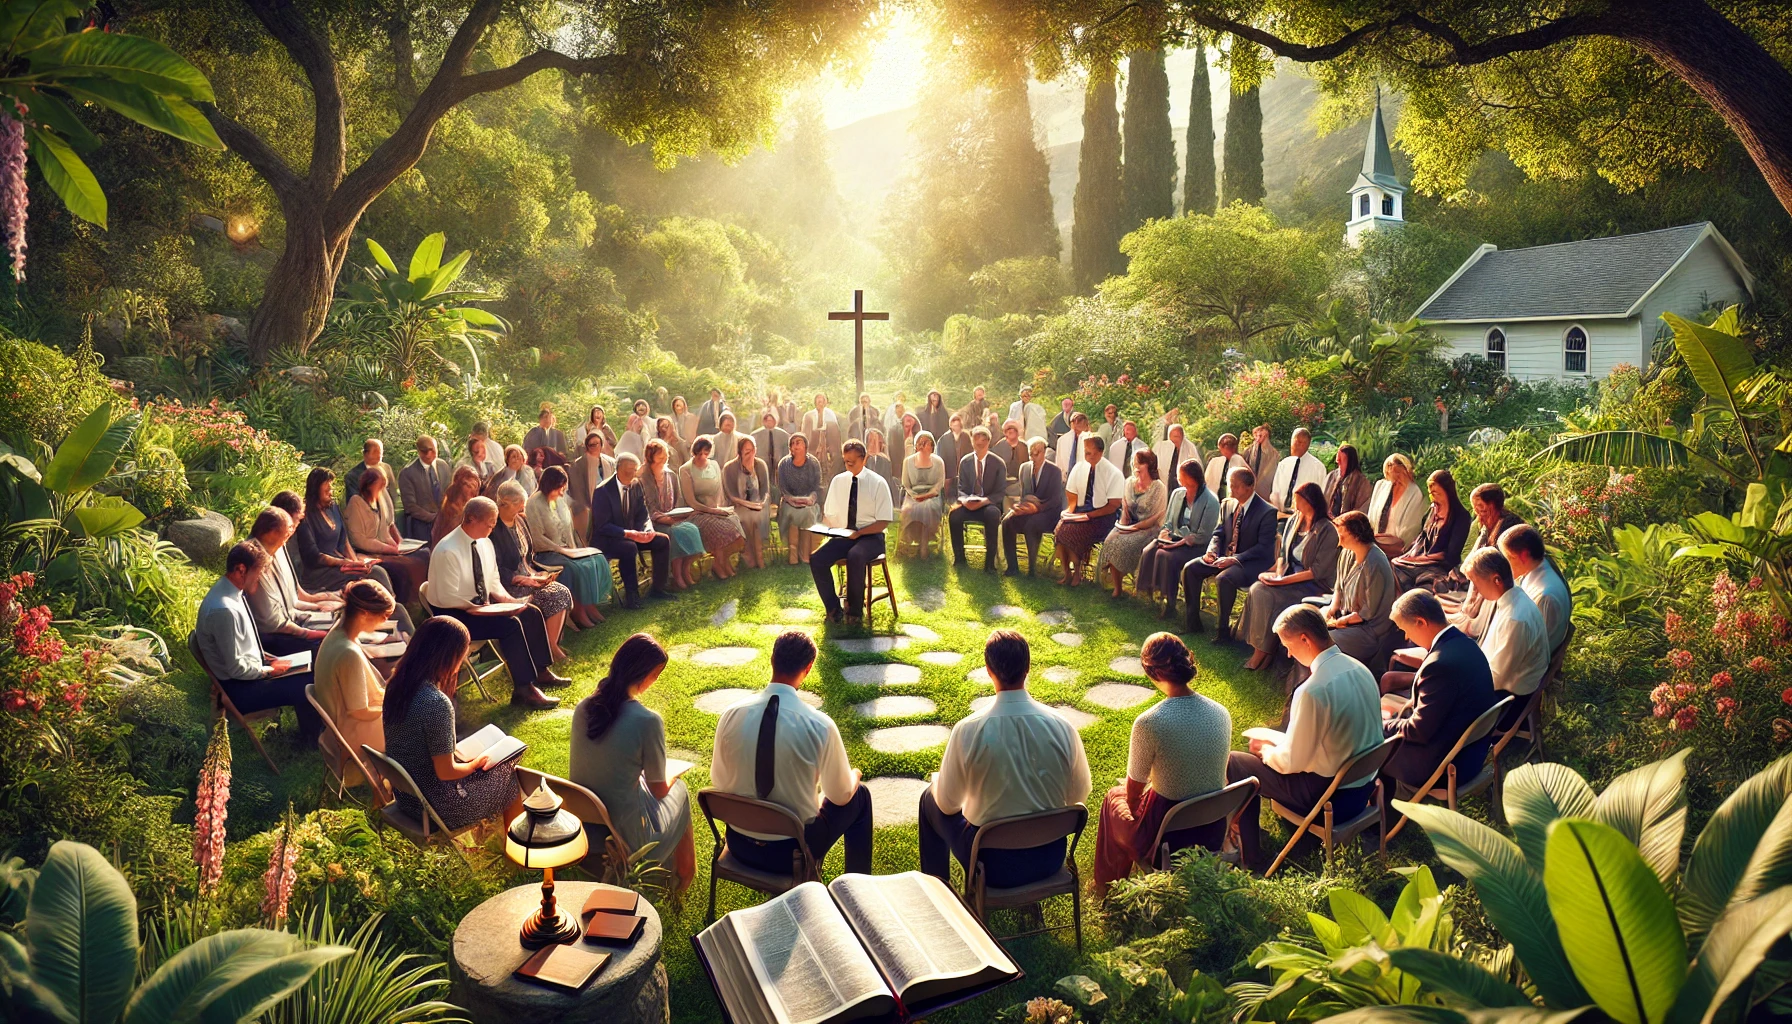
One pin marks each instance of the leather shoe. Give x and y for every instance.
(1194, 623)
(633, 604)
(1011, 571)
(552, 679)
(660, 595)
(530, 697)
(1168, 610)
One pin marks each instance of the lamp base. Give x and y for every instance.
(540, 930)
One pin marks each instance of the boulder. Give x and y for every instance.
(204, 540)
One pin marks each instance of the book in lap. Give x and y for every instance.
(490, 740)
(830, 531)
(862, 948)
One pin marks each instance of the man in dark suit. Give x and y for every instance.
(709, 414)
(982, 480)
(1037, 510)
(421, 486)
(620, 528)
(1453, 687)
(1243, 546)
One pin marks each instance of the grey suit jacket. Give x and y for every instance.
(773, 444)
(1047, 489)
(420, 501)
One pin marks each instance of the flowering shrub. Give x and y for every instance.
(1261, 393)
(1139, 400)
(1578, 505)
(211, 807)
(233, 467)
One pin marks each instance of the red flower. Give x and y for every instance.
(1786, 695)
(1721, 681)
(1681, 659)
(1686, 718)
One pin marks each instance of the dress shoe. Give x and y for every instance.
(1167, 612)
(633, 604)
(1011, 571)
(552, 679)
(959, 563)
(1194, 623)
(660, 595)
(836, 617)
(1223, 635)
(530, 697)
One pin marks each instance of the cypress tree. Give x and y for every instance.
(1244, 148)
(1149, 177)
(1095, 233)
(1019, 184)
(1198, 177)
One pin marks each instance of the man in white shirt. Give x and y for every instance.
(1516, 641)
(982, 482)
(1333, 716)
(1015, 757)
(1122, 449)
(1160, 431)
(1300, 467)
(1070, 444)
(1093, 494)
(1537, 577)
(1028, 413)
(231, 646)
(464, 580)
(1173, 451)
(858, 502)
(773, 747)
(1225, 462)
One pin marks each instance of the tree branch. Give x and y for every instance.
(1303, 52)
(252, 148)
(541, 60)
(311, 51)
(1461, 51)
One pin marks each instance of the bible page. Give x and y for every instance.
(917, 931)
(807, 959)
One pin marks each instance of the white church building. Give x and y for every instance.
(1569, 311)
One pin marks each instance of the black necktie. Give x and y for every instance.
(1089, 489)
(764, 767)
(479, 591)
(1188, 508)
(1386, 510)
(435, 483)
(852, 505)
(623, 493)
(1293, 477)
(1338, 499)
(1237, 517)
(979, 491)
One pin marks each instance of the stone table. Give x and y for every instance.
(630, 989)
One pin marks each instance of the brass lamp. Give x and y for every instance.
(546, 837)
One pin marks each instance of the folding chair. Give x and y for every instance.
(223, 705)
(340, 759)
(1365, 765)
(759, 816)
(1221, 804)
(1454, 790)
(873, 591)
(421, 829)
(470, 671)
(1023, 832)
(1529, 726)
(607, 859)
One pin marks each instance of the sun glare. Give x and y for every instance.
(888, 79)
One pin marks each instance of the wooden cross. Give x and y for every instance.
(858, 316)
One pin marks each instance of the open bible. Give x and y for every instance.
(862, 948)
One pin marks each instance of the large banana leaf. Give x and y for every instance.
(24, 24)
(108, 518)
(1469, 983)
(380, 256)
(61, 120)
(175, 117)
(81, 930)
(1446, 1015)
(85, 458)
(1616, 921)
(1716, 356)
(1634, 449)
(1535, 796)
(1648, 806)
(67, 175)
(427, 258)
(229, 977)
(1739, 940)
(136, 60)
(1736, 835)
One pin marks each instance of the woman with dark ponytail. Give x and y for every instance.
(619, 753)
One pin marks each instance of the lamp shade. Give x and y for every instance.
(545, 835)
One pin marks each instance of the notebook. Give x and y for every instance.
(610, 900)
(567, 968)
(300, 662)
(616, 929)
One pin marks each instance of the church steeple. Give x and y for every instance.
(1377, 198)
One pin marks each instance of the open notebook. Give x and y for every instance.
(864, 947)
(490, 740)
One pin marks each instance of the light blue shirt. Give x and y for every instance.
(226, 632)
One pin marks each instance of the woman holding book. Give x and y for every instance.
(619, 753)
(513, 542)
(585, 571)
(747, 487)
(700, 482)
(659, 486)
(418, 720)
(345, 682)
(1306, 566)
(799, 498)
(373, 528)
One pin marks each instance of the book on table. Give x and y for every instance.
(567, 968)
(493, 741)
(830, 531)
(862, 948)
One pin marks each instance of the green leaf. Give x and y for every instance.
(1535, 796)
(228, 977)
(381, 257)
(481, 317)
(67, 175)
(427, 258)
(57, 116)
(1740, 939)
(448, 273)
(1717, 358)
(1616, 921)
(107, 520)
(33, 502)
(1410, 907)
(1731, 841)
(1471, 983)
(1511, 893)
(1648, 807)
(1359, 919)
(23, 995)
(82, 461)
(81, 931)
(26, 23)
(174, 117)
(1628, 448)
(136, 60)
(21, 465)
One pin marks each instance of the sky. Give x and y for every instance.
(890, 78)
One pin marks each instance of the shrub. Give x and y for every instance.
(44, 393)
(233, 467)
(1261, 393)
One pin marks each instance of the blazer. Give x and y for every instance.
(514, 561)
(773, 444)
(580, 482)
(607, 522)
(1446, 538)
(1320, 556)
(995, 477)
(709, 416)
(1202, 519)
(1256, 549)
(1453, 687)
(1263, 460)
(1047, 488)
(1347, 493)
(552, 437)
(415, 490)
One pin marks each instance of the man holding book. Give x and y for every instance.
(857, 509)
(1017, 757)
(774, 747)
(231, 646)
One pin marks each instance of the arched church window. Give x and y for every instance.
(1574, 351)
(1496, 349)
(1362, 206)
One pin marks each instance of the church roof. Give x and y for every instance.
(1378, 160)
(1588, 278)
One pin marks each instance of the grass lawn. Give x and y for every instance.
(953, 604)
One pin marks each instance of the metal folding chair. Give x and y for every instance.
(1363, 766)
(759, 816)
(340, 759)
(1453, 788)
(1023, 832)
(1221, 804)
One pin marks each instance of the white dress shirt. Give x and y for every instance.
(1218, 467)
(1336, 715)
(1292, 472)
(1516, 643)
(809, 756)
(875, 503)
(1030, 416)
(1170, 458)
(1110, 483)
(1120, 452)
(1070, 450)
(451, 571)
(1407, 518)
(1017, 756)
(1550, 593)
(227, 635)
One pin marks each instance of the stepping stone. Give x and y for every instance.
(811, 699)
(681, 652)
(729, 609)
(1053, 617)
(1068, 639)
(1129, 648)
(895, 800)
(921, 633)
(1077, 717)
(906, 739)
(797, 614)
(1118, 695)
(1060, 674)
(980, 676)
(1127, 665)
(982, 703)
(871, 644)
(941, 657)
(882, 674)
(726, 657)
(895, 707)
(930, 600)
(1004, 611)
(717, 701)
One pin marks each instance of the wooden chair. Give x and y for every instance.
(1365, 765)
(340, 759)
(470, 671)
(1529, 726)
(1022, 832)
(873, 591)
(759, 816)
(1221, 804)
(608, 858)
(223, 705)
(1453, 788)
(421, 829)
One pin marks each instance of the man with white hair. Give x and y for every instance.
(1300, 467)
(621, 528)
(1028, 413)
(1516, 640)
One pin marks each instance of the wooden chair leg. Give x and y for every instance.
(263, 751)
(1286, 850)
(1328, 833)
(1076, 906)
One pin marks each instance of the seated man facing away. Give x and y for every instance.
(773, 747)
(1334, 716)
(1516, 641)
(464, 580)
(1017, 757)
(1536, 575)
(1451, 689)
(231, 645)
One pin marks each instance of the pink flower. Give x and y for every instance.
(1686, 718)
(1662, 694)
(14, 200)
(277, 881)
(1726, 706)
(1677, 628)
(1723, 591)
(1722, 680)
(1754, 583)
(1681, 659)
(211, 804)
(1759, 663)
(1786, 695)
(1685, 691)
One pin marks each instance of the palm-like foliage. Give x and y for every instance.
(1367, 356)
(376, 984)
(415, 313)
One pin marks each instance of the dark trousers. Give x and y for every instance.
(857, 554)
(1229, 581)
(417, 529)
(626, 554)
(1160, 567)
(522, 640)
(251, 695)
(1032, 526)
(282, 644)
(944, 836)
(851, 820)
(1297, 792)
(990, 516)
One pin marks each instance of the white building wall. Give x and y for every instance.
(1534, 348)
(1703, 278)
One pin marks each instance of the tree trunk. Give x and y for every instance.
(1095, 231)
(296, 300)
(1199, 182)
